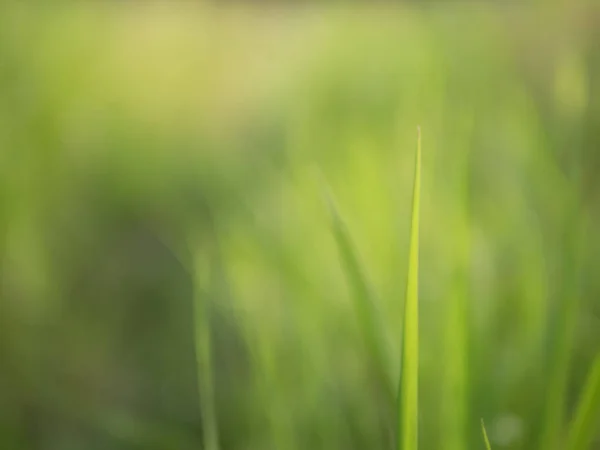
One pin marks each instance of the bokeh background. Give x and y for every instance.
(155, 157)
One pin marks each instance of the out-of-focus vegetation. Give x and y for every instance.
(165, 244)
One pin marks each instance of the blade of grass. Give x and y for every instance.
(588, 411)
(455, 390)
(455, 394)
(202, 265)
(485, 436)
(408, 395)
(364, 296)
(561, 336)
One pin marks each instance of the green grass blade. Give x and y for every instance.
(454, 383)
(588, 411)
(408, 396)
(365, 299)
(202, 286)
(562, 336)
(455, 395)
(485, 436)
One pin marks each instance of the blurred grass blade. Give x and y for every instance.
(364, 296)
(485, 436)
(588, 411)
(455, 392)
(561, 336)
(202, 266)
(408, 392)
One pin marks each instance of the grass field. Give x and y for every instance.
(213, 235)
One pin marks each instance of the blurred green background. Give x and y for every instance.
(156, 156)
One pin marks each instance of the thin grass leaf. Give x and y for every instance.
(202, 265)
(562, 335)
(588, 411)
(455, 397)
(364, 296)
(408, 392)
(455, 390)
(485, 436)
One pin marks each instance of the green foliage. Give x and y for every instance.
(126, 129)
